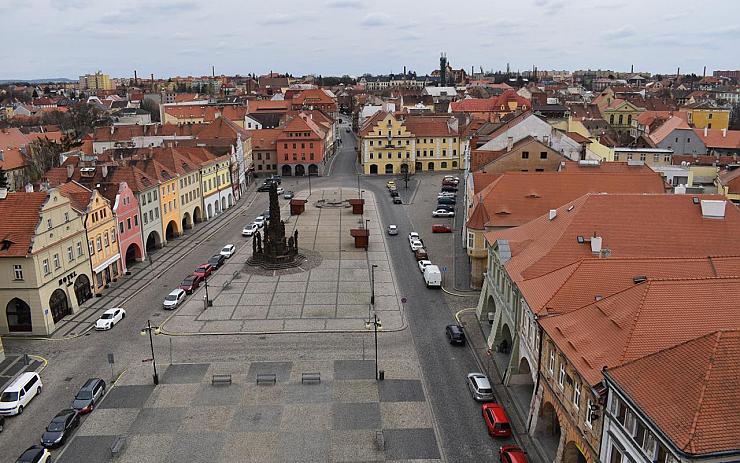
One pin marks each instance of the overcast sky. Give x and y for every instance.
(66, 38)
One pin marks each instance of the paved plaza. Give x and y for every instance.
(332, 295)
(186, 418)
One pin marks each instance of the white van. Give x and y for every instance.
(432, 276)
(19, 393)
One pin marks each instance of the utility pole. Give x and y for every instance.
(149, 328)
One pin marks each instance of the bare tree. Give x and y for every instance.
(41, 155)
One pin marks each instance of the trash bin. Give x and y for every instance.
(381, 375)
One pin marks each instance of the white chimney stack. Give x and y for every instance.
(28, 188)
(596, 244)
(104, 171)
(509, 144)
(724, 132)
(70, 171)
(553, 213)
(3, 193)
(706, 131)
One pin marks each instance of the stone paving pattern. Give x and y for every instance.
(185, 418)
(334, 295)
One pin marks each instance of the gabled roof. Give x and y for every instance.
(667, 128)
(719, 138)
(371, 121)
(429, 126)
(690, 391)
(223, 129)
(79, 195)
(264, 139)
(22, 212)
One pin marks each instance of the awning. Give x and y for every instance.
(105, 264)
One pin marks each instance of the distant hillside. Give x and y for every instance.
(37, 81)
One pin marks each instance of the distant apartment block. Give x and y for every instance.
(97, 81)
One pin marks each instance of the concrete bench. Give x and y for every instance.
(221, 379)
(117, 446)
(266, 378)
(380, 440)
(310, 378)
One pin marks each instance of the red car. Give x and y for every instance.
(204, 271)
(441, 228)
(512, 454)
(191, 283)
(496, 420)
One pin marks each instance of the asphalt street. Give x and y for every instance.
(460, 427)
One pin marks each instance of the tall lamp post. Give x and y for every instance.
(208, 299)
(372, 286)
(148, 329)
(375, 323)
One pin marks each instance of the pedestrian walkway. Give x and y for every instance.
(330, 291)
(14, 364)
(476, 334)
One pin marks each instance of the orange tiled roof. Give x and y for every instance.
(186, 111)
(429, 126)
(667, 128)
(690, 391)
(516, 198)
(264, 139)
(370, 122)
(719, 138)
(12, 140)
(25, 210)
(79, 195)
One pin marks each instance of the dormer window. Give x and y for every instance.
(5, 245)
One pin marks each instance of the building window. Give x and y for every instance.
(656, 157)
(615, 455)
(561, 375)
(611, 119)
(543, 154)
(57, 263)
(642, 156)
(471, 240)
(146, 219)
(79, 248)
(667, 158)
(113, 235)
(105, 239)
(48, 223)
(99, 243)
(525, 154)
(589, 413)
(120, 227)
(46, 267)
(576, 394)
(551, 360)
(18, 272)
(66, 216)
(136, 220)
(616, 156)
(70, 254)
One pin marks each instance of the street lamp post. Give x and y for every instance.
(309, 183)
(149, 328)
(372, 286)
(208, 299)
(375, 322)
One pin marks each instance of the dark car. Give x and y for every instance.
(264, 187)
(191, 283)
(60, 428)
(89, 394)
(455, 334)
(397, 200)
(217, 260)
(447, 207)
(449, 188)
(275, 178)
(394, 193)
(203, 271)
(34, 454)
(266, 214)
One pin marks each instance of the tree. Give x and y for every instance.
(148, 104)
(85, 117)
(3, 179)
(41, 155)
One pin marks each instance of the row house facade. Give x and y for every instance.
(573, 268)
(302, 148)
(45, 271)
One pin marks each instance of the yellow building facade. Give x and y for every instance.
(707, 117)
(105, 255)
(97, 81)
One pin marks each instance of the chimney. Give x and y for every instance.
(596, 244)
(104, 171)
(724, 132)
(553, 213)
(70, 171)
(3, 193)
(706, 131)
(112, 129)
(509, 144)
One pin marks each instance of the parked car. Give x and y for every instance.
(173, 299)
(275, 178)
(423, 263)
(34, 454)
(19, 393)
(446, 194)
(259, 221)
(392, 230)
(416, 244)
(446, 200)
(288, 195)
(496, 420)
(217, 260)
(191, 283)
(443, 213)
(420, 254)
(390, 184)
(451, 178)
(512, 454)
(480, 387)
(228, 250)
(280, 190)
(394, 193)
(250, 229)
(89, 394)
(414, 236)
(441, 228)
(447, 207)
(397, 200)
(449, 188)
(264, 187)
(60, 427)
(109, 318)
(347, 130)
(455, 334)
(203, 270)
(266, 214)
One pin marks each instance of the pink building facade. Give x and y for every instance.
(126, 211)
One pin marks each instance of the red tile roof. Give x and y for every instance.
(264, 139)
(11, 142)
(257, 106)
(516, 198)
(370, 122)
(690, 391)
(667, 128)
(25, 211)
(79, 195)
(719, 138)
(429, 126)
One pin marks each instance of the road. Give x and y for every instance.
(459, 423)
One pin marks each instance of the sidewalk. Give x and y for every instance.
(476, 335)
(13, 365)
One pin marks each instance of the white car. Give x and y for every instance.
(392, 230)
(109, 318)
(443, 213)
(447, 194)
(416, 244)
(280, 190)
(250, 229)
(259, 221)
(414, 236)
(174, 299)
(228, 250)
(424, 263)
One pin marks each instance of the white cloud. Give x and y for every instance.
(376, 20)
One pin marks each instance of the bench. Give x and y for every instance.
(117, 446)
(221, 379)
(310, 378)
(266, 378)
(380, 440)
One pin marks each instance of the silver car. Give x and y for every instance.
(480, 387)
